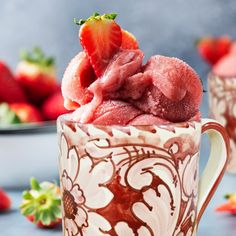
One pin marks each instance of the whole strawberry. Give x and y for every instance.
(213, 49)
(16, 113)
(54, 106)
(42, 204)
(5, 201)
(36, 73)
(26, 112)
(8, 116)
(230, 205)
(10, 89)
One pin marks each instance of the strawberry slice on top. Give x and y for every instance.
(100, 37)
(128, 40)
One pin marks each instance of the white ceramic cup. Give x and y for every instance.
(222, 106)
(137, 180)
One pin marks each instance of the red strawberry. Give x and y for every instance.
(42, 204)
(128, 40)
(229, 206)
(212, 49)
(36, 73)
(40, 224)
(54, 106)
(100, 37)
(5, 201)
(10, 90)
(26, 113)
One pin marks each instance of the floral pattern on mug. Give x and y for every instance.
(222, 105)
(120, 184)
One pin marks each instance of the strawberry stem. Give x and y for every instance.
(96, 16)
(228, 195)
(37, 57)
(35, 184)
(42, 203)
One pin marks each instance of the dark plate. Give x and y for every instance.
(45, 127)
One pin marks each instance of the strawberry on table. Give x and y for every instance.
(54, 106)
(10, 90)
(230, 205)
(5, 201)
(213, 49)
(36, 73)
(42, 204)
(101, 38)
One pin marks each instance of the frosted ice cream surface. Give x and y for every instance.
(108, 84)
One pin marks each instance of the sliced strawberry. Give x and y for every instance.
(5, 201)
(213, 49)
(100, 37)
(42, 204)
(128, 40)
(54, 106)
(27, 113)
(10, 90)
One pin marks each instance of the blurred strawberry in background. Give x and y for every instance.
(54, 106)
(27, 113)
(5, 201)
(10, 89)
(219, 53)
(33, 94)
(37, 75)
(212, 49)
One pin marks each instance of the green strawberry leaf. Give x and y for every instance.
(37, 57)
(228, 195)
(43, 202)
(96, 16)
(7, 116)
(28, 210)
(35, 184)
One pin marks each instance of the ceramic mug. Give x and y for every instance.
(137, 180)
(222, 106)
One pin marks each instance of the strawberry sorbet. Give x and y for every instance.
(121, 90)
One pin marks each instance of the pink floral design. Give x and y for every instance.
(128, 183)
(222, 104)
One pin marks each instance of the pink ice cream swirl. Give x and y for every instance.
(129, 93)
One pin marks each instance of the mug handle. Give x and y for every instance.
(215, 168)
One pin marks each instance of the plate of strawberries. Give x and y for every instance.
(31, 96)
(30, 102)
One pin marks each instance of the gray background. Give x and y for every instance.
(167, 27)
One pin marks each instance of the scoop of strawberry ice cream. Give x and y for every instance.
(90, 95)
(164, 90)
(78, 76)
(115, 112)
(226, 66)
(176, 90)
